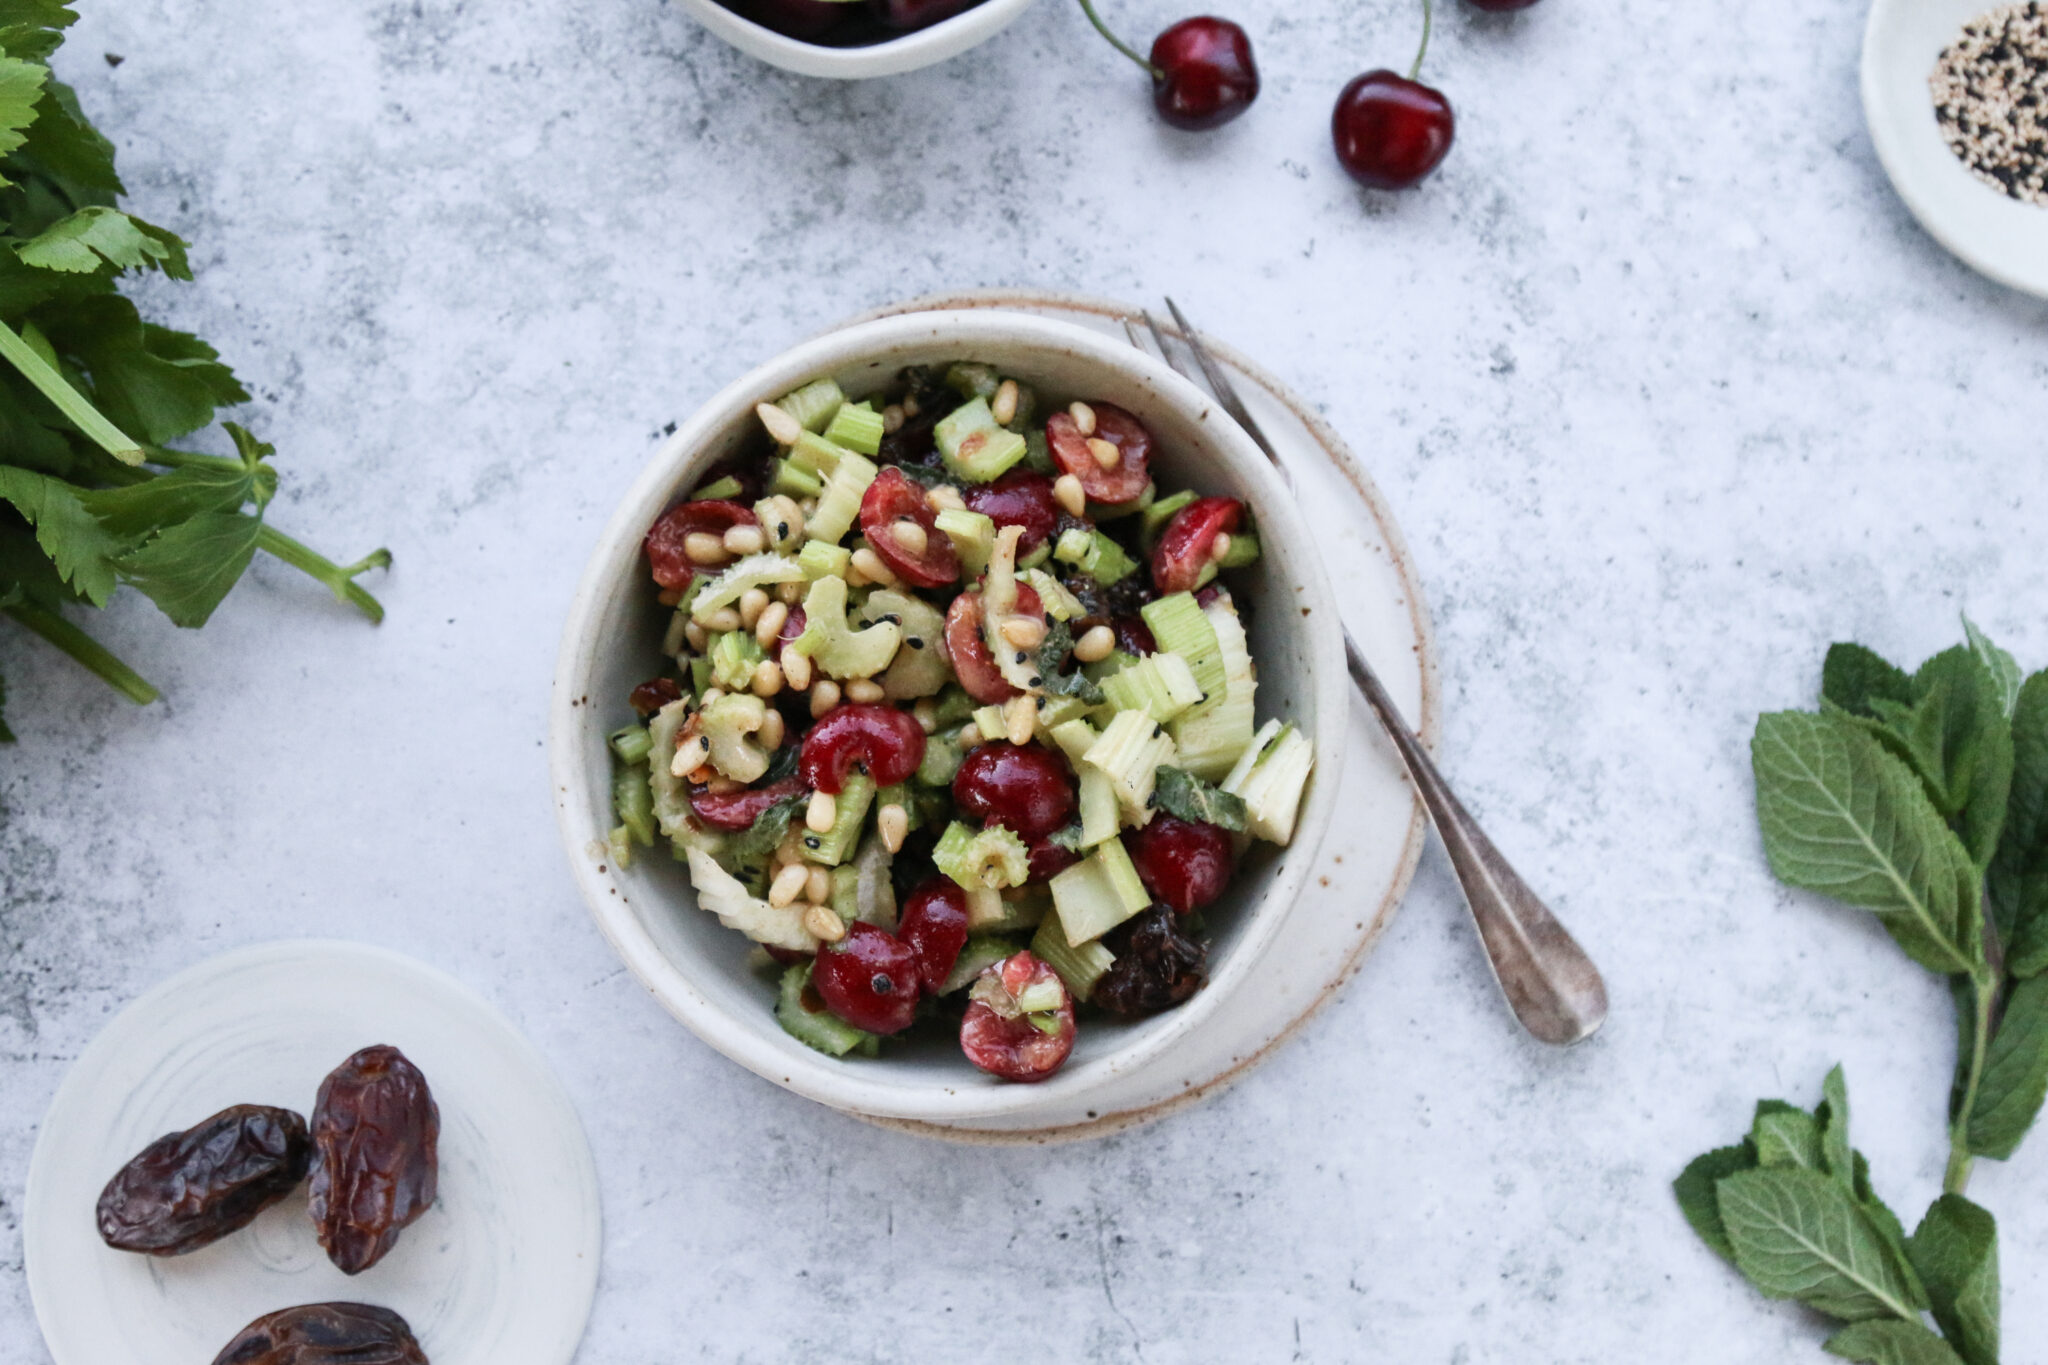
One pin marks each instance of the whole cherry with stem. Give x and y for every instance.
(1202, 71)
(1391, 131)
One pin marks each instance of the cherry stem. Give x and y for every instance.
(1416, 69)
(1088, 8)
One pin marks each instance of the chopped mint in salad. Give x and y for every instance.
(961, 722)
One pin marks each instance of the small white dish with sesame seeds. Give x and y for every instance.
(2002, 237)
(906, 52)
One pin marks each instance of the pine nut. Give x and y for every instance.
(824, 923)
(696, 636)
(741, 541)
(769, 623)
(1003, 407)
(781, 521)
(723, 785)
(870, 565)
(773, 728)
(1096, 644)
(909, 537)
(910, 407)
(753, 602)
(788, 885)
(945, 498)
(824, 809)
(691, 756)
(864, 690)
(711, 694)
(1220, 546)
(789, 594)
(783, 429)
(767, 679)
(1105, 452)
(725, 618)
(1020, 718)
(701, 547)
(893, 823)
(796, 668)
(1025, 632)
(1083, 415)
(853, 575)
(892, 419)
(1068, 493)
(926, 712)
(809, 507)
(818, 887)
(970, 737)
(824, 696)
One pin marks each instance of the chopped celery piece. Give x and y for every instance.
(1098, 807)
(1059, 604)
(977, 955)
(832, 642)
(1106, 668)
(619, 844)
(700, 675)
(952, 708)
(727, 487)
(901, 795)
(734, 656)
(1097, 894)
(1160, 513)
(1001, 912)
(1161, 685)
(973, 535)
(1057, 711)
(722, 894)
(819, 560)
(755, 571)
(1244, 550)
(874, 893)
(972, 446)
(671, 804)
(991, 722)
(1034, 557)
(1271, 784)
(633, 802)
(1037, 456)
(918, 668)
(1130, 751)
(817, 454)
(819, 1028)
(675, 639)
(856, 427)
(1111, 511)
(972, 379)
(1179, 626)
(1080, 967)
(1041, 997)
(1211, 736)
(813, 404)
(794, 481)
(729, 725)
(993, 857)
(1094, 554)
(1074, 738)
(941, 760)
(851, 812)
(1260, 742)
(999, 596)
(631, 744)
(839, 504)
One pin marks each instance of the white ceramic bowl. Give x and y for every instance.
(695, 966)
(1989, 230)
(924, 47)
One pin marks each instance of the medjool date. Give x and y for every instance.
(325, 1334)
(188, 1189)
(1157, 966)
(375, 1133)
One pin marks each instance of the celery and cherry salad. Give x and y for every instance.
(960, 727)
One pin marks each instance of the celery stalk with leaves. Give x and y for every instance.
(93, 495)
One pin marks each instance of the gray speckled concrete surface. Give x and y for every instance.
(1664, 384)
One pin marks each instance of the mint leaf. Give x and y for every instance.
(2018, 880)
(1836, 1156)
(2004, 670)
(1955, 1250)
(1698, 1199)
(2015, 1076)
(188, 568)
(1842, 816)
(1187, 797)
(1784, 1135)
(68, 533)
(1052, 655)
(1891, 1343)
(1854, 677)
(1798, 1235)
(746, 853)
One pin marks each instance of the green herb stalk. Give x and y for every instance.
(92, 495)
(1922, 798)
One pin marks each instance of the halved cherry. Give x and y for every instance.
(1122, 481)
(1133, 636)
(1048, 859)
(1000, 1036)
(1184, 864)
(896, 499)
(934, 924)
(654, 694)
(1183, 552)
(886, 742)
(792, 627)
(1019, 498)
(740, 809)
(869, 979)
(664, 544)
(967, 649)
(1026, 788)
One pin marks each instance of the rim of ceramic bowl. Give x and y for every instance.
(910, 52)
(866, 1087)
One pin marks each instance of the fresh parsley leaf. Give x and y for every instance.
(1052, 655)
(154, 383)
(34, 28)
(21, 89)
(1955, 1249)
(1798, 1235)
(82, 550)
(188, 568)
(6, 735)
(64, 148)
(1842, 816)
(1891, 1343)
(1183, 795)
(78, 244)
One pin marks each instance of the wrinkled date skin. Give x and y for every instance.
(375, 1133)
(188, 1189)
(325, 1334)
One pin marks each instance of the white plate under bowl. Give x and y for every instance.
(1987, 229)
(502, 1269)
(922, 48)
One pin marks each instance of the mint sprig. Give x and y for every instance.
(1923, 798)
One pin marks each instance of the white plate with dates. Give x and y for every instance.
(500, 1271)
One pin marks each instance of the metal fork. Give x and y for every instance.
(1551, 985)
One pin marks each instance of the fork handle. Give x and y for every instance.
(1551, 985)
